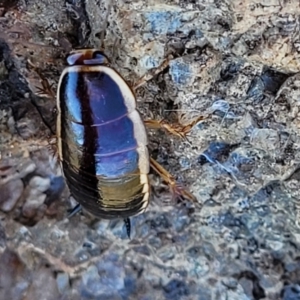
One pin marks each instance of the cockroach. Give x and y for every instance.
(102, 139)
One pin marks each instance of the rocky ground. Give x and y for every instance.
(235, 63)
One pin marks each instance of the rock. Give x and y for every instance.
(233, 63)
(14, 279)
(63, 283)
(39, 184)
(43, 286)
(10, 193)
(265, 139)
(104, 280)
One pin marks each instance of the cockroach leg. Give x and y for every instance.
(74, 211)
(176, 189)
(46, 89)
(153, 72)
(175, 129)
(128, 226)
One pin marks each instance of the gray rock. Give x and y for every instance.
(10, 193)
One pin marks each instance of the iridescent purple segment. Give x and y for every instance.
(118, 164)
(97, 123)
(116, 136)
(102, 96)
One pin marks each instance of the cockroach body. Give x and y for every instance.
(102, 140)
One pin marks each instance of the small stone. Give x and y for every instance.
(33, 202)
(185, 162)
(220, 105)
(106, 280)
(24, 231)
(57, 186)
(166, 253)
(276, 245)
(12, 276)
(265, 139)
(112, 275)
(201, 267)
(181, 222)
(118, 229)
(62, 281)
(13, 168)
(237, 294)
(3, 237)
(40, 184)
(176, 289)
(57, 234)
(291, 292)
(230, 282)
(26, 168)
(180, 71)
(43, 286)
(142, 249)
(216, 152)
(10, 193)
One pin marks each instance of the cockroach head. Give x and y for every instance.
(87, 57)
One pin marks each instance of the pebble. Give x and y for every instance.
(176, 289)
(33, 203)
(105, 279)
(57, 185)
(181, 72)
(40, 184)
(265, 139)
(10, 193)
(63, 282)
(43, 286)
(291, 292)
